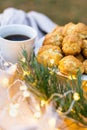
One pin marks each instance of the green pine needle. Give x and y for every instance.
(45, 82)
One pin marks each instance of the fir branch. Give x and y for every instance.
(46, 82)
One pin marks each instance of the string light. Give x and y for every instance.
(37, 114)
(25, 73)
(52, 122)
(72, 77)
(13, 112)
(43, 102)
(76, 96)
(23, 87)
(59, 110)
(23, 59)
(37, 107)
(5, 81)
(26, 94)
(13, 109)
(72, 110)
(52, 61)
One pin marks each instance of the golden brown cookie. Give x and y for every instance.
(71, 28)
(72, 45)
(84, 48)
(85, 66)
(81, 30)
(49, 55)
(68, 29)
(70, 65)
(55, 37)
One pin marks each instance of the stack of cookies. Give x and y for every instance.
(66, 48)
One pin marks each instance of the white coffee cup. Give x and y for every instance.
(12, 50)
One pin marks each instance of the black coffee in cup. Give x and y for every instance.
(17, 37)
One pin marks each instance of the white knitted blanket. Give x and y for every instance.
(40, 22)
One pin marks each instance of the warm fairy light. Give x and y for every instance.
(23, 87)
(72, 77)
(52, 122)
(43, 102)
(26, 94)
(37, 107)
(72, 110)
(52, 61)
(23, 59)
(14, 105)
(86, 84)
(37, 114)
(51, 72)
(25, 73)
(59, 110)
(76, 96)
(13, 112)
(5, 81)
(13, 109)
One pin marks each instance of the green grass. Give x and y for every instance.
(60, 11)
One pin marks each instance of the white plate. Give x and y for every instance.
(39, 44)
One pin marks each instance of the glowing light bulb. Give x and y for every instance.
(5, 81)
(76, 96)
(72, 77)
(26, 94)
(25, 73)
(86, 85)
(14, 105)
(23, 87)
(43, 102)
(72, 110)
(52, 61)
(13, 112)
(37, 114)
(23, 59)
(37, 107)
(13, 109)
(59, 110)
(52, 122)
